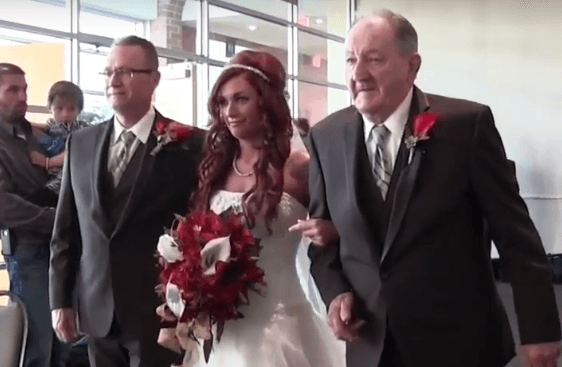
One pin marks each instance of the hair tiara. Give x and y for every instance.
(249, 68)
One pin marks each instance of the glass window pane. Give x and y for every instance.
(189, 25)
(317, 102)
(37, 118)
(321, 58)
(231, 32)
(52, 15)
(329, 16)
(276, 8)
(96, 109)
(176, 94)
(119, 18)
(92, 62)
(214, 73)
(45, 60)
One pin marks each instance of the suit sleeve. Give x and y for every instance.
(18, 213)
(514, 234)
(325, 265)
(65, 242)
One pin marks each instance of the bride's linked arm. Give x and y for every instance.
(321, 232)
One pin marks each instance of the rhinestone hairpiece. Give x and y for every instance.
(249, 68)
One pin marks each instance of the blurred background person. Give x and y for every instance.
(65, 101)
(30, 223)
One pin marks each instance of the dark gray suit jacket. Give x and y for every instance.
(111, 236)
(418, 262)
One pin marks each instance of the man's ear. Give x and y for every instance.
(156, 75)
(414, 62)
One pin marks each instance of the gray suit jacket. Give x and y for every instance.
(112, 239)
(419, 262)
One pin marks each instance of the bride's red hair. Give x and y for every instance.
(221, 146)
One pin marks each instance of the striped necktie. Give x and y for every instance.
(381, 161)
(120, 159)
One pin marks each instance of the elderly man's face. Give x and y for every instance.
(13, 97)
(378, 77)
(132, 82)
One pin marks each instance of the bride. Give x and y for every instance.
(248, 165)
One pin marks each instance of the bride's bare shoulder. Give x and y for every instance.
(296, 175)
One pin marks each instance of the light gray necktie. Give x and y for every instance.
(381, 161)
(119, 160)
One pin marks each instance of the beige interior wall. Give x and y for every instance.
(507, 54)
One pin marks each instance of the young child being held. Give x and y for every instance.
(65, 101)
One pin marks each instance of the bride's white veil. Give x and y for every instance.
(302, 260)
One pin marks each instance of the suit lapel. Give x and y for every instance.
(406, 177)
(142, 176)
(100, 166)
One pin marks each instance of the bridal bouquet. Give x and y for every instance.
(208, 263)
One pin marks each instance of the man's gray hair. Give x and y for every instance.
(10, 69)
(404, 32)
(146, 45)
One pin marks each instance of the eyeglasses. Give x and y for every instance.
(124, 73)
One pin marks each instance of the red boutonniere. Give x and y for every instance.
(423, 124)
(169, 132)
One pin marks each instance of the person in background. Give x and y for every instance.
(65, 101)
(29, 222)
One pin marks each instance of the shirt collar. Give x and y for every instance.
(396, 122)
(141, 129)
(19, 130)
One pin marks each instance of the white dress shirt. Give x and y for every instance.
(141, 130)
(395, 123)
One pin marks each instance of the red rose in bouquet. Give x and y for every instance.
(207, 265)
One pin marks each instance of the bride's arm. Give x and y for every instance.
(296, 176)
(320, 231)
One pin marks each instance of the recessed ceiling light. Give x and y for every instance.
(252, 27)
(319, 21)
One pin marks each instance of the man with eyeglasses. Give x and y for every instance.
(118, 193)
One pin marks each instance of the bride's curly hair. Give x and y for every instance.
(221, 146)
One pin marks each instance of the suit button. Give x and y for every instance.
(384, 275)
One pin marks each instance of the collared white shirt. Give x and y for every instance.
(141, 130)
(395, 123)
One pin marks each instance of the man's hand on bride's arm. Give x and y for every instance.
(64, 324)
(320, 231)
(341, 317)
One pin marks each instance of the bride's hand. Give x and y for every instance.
(320, 231)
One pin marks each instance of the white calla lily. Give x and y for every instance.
(217, 249)
(169, 249)
(174, 300)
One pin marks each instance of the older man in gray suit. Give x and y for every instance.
(412, 261)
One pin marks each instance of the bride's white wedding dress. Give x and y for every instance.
(282, 329)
